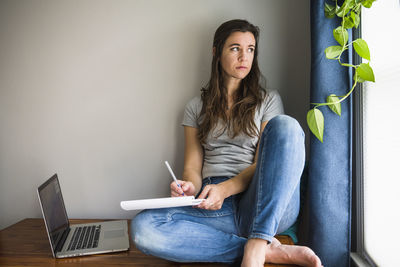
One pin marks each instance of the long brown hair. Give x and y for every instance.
(248, 97)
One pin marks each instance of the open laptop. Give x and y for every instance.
(79, 239)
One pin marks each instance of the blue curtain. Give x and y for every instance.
(329, 185)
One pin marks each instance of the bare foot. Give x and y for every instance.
(300, 255)
(254, 253)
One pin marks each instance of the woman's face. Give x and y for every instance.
(237, 55)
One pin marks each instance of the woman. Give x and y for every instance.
(244, 158)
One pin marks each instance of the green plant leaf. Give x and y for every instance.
(365, 72)
(359, 79)
(361, 48)
(357, 8)
(337, 107)
(333, 52)
(341, 35)
(348, 22)
(351, 20)
(367, 3)
(345, 8)
(329, 11)
(356, 18)
(315, 121)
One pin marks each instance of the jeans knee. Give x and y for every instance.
(144, 232)
(138, 225)
(285, 126)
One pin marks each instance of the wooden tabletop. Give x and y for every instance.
(26, 244)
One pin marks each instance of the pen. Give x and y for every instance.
(173, 176)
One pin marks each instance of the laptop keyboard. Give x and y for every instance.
(85, 237)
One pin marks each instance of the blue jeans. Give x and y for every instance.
(269, 206)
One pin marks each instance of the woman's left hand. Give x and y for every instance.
(214, 195)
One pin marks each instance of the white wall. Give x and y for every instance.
(95, 91)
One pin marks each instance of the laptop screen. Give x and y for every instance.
(53, 209)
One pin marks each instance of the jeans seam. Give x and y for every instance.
(260, 188)
(224, 214)
(235, 213)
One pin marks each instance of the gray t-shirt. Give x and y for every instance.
(224, 156)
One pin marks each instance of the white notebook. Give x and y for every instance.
(156, 203)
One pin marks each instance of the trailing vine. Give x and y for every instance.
(349, 11)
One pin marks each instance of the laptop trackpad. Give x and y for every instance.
(114, 233)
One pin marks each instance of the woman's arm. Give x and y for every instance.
(193, 164)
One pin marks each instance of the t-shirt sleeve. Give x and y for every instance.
(272, 106)
(191, 113)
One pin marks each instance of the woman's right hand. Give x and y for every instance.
(186, 187)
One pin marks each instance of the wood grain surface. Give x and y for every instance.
(26, 244)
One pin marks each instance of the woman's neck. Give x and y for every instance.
(232, 85)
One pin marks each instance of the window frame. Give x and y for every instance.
(360, 257)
